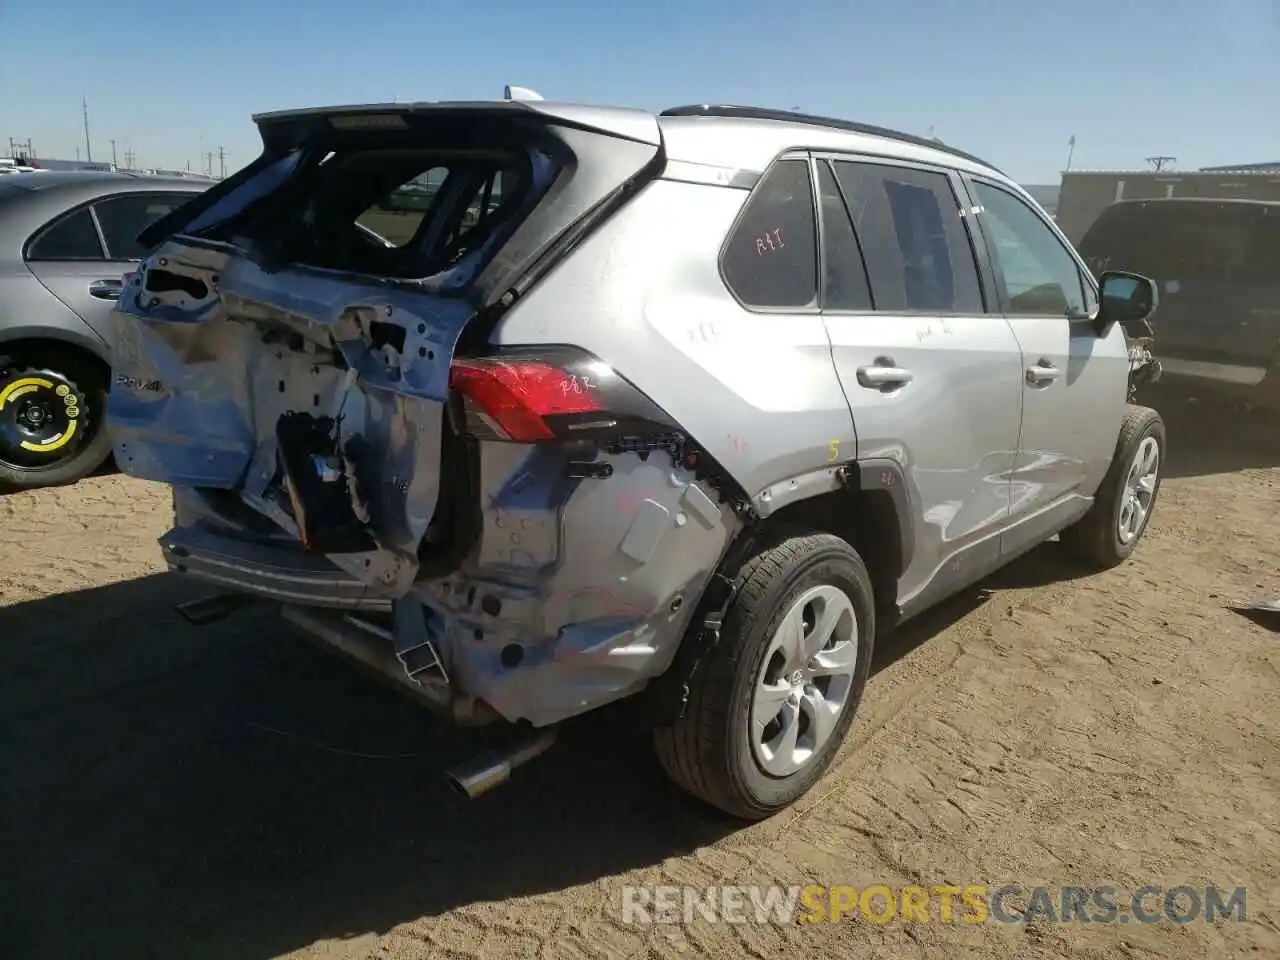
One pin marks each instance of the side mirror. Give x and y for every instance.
(1124, 298)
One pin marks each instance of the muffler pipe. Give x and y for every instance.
(478, 776)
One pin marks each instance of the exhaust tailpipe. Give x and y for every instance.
(489, 770)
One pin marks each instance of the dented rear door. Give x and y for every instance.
(264, 353)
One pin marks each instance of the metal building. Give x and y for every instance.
(1086, 193)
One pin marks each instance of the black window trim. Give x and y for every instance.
(814, 162)
(1085, 276)
(39, 233)
(813, 308)
(977, 247)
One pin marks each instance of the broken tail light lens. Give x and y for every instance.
(546, 396)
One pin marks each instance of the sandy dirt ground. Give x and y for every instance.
(231, 791)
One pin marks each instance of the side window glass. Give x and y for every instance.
(917, 250)
(1040, 277)
(844, 284)
(771, 259)
(1264, 250)
(122, 218)
(74, 238)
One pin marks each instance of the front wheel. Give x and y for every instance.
(771, 702)
(1108, 534)
(51, 412)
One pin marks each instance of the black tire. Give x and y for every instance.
(1095, 538)
(75, 390)
(708, 751)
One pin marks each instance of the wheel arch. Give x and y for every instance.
(870, 511)
(26, 345)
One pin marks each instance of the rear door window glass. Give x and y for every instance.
(771, 259)
(1038, 274)
(72, 238)
(916, 247)
(122, 218)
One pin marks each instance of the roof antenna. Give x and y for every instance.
(520, 93)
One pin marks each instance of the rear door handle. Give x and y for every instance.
(1042, 373)
(882, 374)
(106, 289)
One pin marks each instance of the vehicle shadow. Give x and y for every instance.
(234, 791)
(1209, 433)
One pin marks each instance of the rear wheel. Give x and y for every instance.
(51, 420)
(772, 701)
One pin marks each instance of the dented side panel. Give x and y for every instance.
(579, 590)
(212, 351)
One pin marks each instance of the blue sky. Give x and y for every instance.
(1010, 81)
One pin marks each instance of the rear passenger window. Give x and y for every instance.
(915, 245)
(772, 256)
(844, 282)
(122, 218)
(74, 238)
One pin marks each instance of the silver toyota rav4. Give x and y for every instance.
(534, 407)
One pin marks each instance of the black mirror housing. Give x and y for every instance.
(1124, 298)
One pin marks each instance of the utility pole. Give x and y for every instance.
(1071, 150)
(1159, 163)
(222, 162)
(88, 148)
(113, 153)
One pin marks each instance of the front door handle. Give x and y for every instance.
(883, 375)
(106, 289)
(1042, 373)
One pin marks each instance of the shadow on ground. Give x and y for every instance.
(233, 791)
(1209, 434)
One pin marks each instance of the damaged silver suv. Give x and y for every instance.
(535, 407)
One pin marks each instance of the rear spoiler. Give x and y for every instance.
(285, 130)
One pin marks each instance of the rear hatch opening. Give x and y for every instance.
(291, 340)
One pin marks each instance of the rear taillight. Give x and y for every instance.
(556, 393)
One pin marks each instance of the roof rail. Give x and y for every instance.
(730, 111)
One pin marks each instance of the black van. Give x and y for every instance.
(1217, 266)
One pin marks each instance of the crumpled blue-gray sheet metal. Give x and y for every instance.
(211, 350)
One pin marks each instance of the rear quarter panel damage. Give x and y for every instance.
(579, 590)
